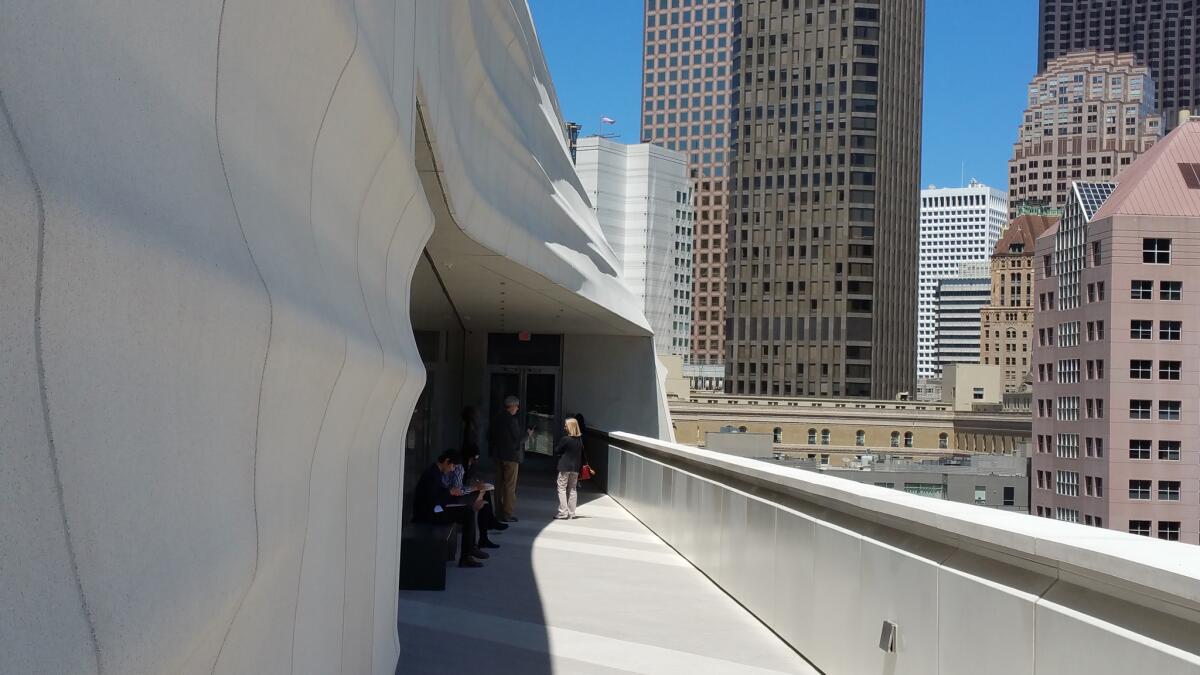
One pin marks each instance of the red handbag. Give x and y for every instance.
(587, 471)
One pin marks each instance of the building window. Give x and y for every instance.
(1140, 369)
(936, 490)
(1169, 410)
(943, 441)
(1169, 450)
(1096, 257)
(778, 433)
(977, 393)
(1156, 251)
(1170, 290)
(1010, 496)
(980, 494)
(1140, 329)
(812, 436)
(1168, 529)
(1140, 527)
(1170, 370)
(1139, 448)
(1067, 483)
(885, 484)
(908, 438)
(895, 439)
(824, 460)
(824, 437)
(1141, 289)
(1170, 330)
(1139, 409)
(1067, 446)
(1168, 490)
(1139, 489)
(860, 438)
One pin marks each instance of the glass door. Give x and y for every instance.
(538, 389)
(541, 409)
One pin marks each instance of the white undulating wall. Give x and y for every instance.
(209, 219)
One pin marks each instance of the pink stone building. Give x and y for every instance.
(686, 85)
(1117, 350)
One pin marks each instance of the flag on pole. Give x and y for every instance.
(607, 120)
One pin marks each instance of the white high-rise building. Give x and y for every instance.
(643, 199)
(958, 225)
(959, 301)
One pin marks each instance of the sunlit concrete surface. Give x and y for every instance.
(599, 594)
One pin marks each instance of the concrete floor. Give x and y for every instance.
(599, 594)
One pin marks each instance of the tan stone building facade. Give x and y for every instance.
(832, 430)
(1089, 115)
(1006, 323)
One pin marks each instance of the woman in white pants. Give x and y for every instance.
(569, 453)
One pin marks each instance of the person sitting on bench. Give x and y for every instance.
(436, 504)
(465, 478)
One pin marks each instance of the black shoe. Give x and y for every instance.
(482, 555)
(469, 562)
(510, 519)
(499, 526)
(487, 543)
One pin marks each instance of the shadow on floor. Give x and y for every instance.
(440, 630)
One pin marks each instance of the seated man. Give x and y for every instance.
(465, 478)
(434, 503)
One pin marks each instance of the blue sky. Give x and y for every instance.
(979, 57)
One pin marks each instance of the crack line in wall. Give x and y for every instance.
(266, 351)
(41, 375)
(345, 340)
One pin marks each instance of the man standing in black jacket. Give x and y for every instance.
(434, 503)
(506, 440)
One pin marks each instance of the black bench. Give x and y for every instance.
(424, 550)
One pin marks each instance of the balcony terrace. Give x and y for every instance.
(599, 594)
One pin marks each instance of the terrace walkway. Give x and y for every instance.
(599, 594)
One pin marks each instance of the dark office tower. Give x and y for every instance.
(1163, 35)
(825, 149)
(685, 106)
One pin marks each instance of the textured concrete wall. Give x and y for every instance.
(210, 215)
